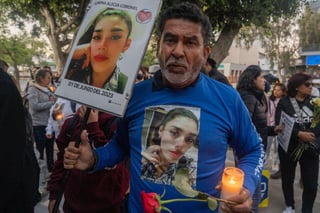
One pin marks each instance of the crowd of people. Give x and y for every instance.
(181, 119)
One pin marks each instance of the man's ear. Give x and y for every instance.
(206, 53)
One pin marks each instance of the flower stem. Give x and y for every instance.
(181, 200)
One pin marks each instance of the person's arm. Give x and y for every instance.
(13, 137)
(55, 182)
(49, 128)
(283, 106)
(85, 158)
(249, 150)
(117, 149)
(34, 101)
(250, 102)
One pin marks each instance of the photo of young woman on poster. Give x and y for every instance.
(176, 134)
(94, 61)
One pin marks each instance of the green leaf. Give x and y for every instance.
(166, 209)
(212, 203)
(181, 184)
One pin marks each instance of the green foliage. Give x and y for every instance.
(243, 13)
(212, 203)
(17, 49)
(59, 20)
(149, 57)
(181, 183)
(309, 26)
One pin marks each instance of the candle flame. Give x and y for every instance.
(59, 116)
(52, 88)
(232, 180)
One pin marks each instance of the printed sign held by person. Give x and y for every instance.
(102, 65)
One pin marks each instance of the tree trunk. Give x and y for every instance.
(60, 57)
(220, 50)
(17, 77)
(53, 36)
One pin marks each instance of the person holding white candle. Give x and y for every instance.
(185, 34)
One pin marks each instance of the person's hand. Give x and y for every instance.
(49, 136)
(87, 59)
(79, 158)
(243, 200)
(152, 154)
(80, 52)
(305, 136)
(51, 206)
(93, 116)
(278, 129)
(52, 99)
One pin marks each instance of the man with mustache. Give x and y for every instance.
(185, 34)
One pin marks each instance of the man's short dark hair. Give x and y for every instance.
(3, 64)
(190, 12)
(212, 62)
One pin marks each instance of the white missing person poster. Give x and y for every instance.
(102, 65)
(286, 123)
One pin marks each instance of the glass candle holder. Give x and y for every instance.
(232, 182)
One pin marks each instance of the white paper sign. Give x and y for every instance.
(286, 123)
(102, 65)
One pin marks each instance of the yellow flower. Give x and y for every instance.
(315, 101)
(316, 112)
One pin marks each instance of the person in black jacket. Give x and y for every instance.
(17, 162)
(299, 90)
(210, 69)
(251, 87)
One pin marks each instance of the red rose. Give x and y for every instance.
(150, 202)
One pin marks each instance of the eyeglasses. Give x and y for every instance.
(307, 84)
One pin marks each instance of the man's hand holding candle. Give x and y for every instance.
(232, 190)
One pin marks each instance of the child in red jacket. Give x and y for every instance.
(102, 191)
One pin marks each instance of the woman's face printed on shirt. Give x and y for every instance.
(109, 40)
(177, 136)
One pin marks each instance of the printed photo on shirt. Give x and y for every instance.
(169, 143)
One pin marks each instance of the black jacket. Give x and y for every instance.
(286, 106)
(257, 106)
(19, 178)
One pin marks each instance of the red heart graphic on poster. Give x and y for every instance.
(143, 16)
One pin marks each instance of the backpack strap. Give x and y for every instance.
(73, 106)
(108, 126)
(72, 124)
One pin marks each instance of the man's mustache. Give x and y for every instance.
(176, 62)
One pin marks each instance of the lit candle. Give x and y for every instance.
(232, 181)
(59, 116)
(52, 88)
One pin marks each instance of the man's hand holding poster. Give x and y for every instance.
(107, 52)
(286, 123)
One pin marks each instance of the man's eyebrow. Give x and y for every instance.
(191, 37)
(167, 34)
